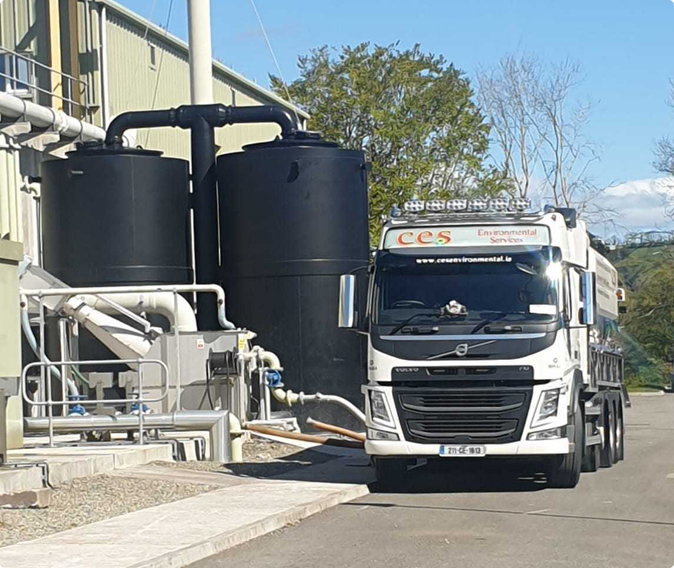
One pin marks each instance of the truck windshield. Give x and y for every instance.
(505, 287)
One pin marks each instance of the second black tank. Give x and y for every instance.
(293, 218)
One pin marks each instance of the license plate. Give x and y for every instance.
(463, 451)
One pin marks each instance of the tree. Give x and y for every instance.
(539, 130)
(664, 149)
(664, 163)
(648, 326)
(412, 113)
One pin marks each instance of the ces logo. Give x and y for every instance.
(424, 238)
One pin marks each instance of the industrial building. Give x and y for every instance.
(67, 69)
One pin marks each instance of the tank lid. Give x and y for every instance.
(98, 148)
(300, 138)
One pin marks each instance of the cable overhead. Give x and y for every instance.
(273, 56)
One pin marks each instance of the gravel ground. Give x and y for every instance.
(261, 458)
(88, 500)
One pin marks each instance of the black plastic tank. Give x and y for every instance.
(293, 218)
(114, 217)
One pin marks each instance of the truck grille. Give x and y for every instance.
(462, 415)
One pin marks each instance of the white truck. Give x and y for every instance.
(491, 333)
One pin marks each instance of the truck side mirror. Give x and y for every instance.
(588, 316)
(347, 301)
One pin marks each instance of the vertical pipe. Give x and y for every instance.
(65, 370)
(55, 53)
(103, 36)
(220, 441)
(177, 340)
(46, 376)
(201, 57)
(5, 184)
(204, 195)
(140, 402)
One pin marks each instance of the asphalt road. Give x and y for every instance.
(457, 517)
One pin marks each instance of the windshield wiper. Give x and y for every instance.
(440, 314)
(398, 327)
(499, 315)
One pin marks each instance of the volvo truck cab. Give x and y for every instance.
(491, 333)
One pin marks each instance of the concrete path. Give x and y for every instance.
(182, 532)
(491, 516)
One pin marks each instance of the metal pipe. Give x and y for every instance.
(32, 342)
(45, 117)
(63, 344)
(201, 56)
(105, 91)
(215, 421)
(199, 288)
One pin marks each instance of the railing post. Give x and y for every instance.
(176, 334)
(140, 402)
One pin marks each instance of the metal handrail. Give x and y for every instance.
(31, 81)
(140, 399)
(40, 64)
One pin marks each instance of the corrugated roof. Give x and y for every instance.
(179, 44)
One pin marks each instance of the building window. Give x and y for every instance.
(153, 57)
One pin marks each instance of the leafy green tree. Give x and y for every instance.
(649, 322)
(412, 113)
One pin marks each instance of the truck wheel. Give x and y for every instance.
(391, 472)
(619, 434)
(608, 446)
(564, 471)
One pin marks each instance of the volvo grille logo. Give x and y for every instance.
(461, 350)
(407, 369)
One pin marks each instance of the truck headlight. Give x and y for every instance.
(379, 408)
(548, 403)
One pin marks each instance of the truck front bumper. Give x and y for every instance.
(522, 448)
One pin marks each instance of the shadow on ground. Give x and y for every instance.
(470, 476)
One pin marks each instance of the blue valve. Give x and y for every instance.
(273, 377)
(77, 410)
(135, 406)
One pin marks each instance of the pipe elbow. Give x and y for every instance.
(270, 359)
(286, 397)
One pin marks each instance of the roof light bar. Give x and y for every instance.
(413, 206)
(500, 204)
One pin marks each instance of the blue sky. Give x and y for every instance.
(626, 48)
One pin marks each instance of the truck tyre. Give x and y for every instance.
(564, 471)
(608, 446)
(619, 433)
(591, 458)
(391, 472)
